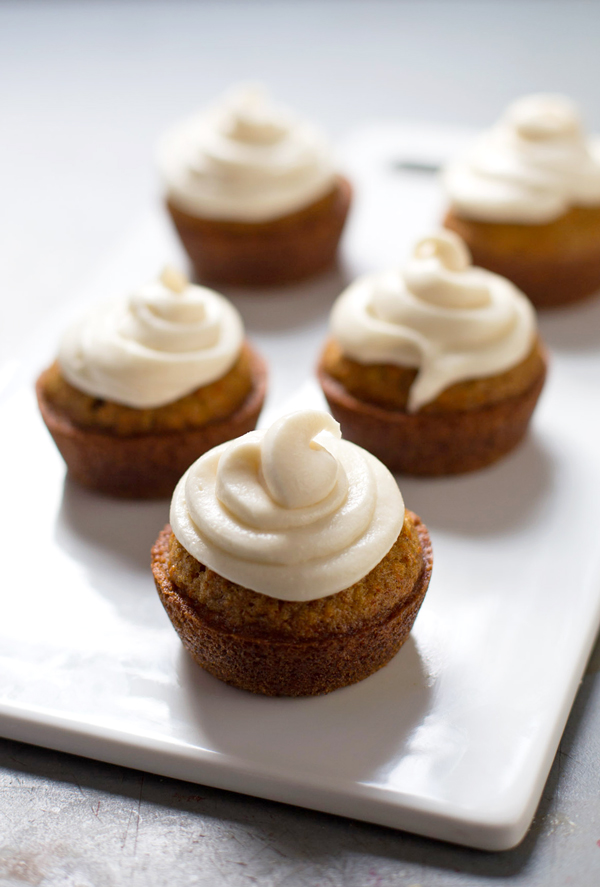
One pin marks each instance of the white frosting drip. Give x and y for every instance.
(530, 168)
(441, 315)
(245, 159)
(292, 512)
(154, 346)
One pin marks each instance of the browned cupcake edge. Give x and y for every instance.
(283, 668)
(147, 465)
(431, 444)
(549, 278)
(280, 251)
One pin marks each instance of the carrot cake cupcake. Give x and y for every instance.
(145, 384)
(526, 200)
(253, 192)
(436, 368)
(291, 567)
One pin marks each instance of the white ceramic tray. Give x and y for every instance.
(454, 738)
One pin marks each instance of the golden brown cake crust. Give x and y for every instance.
(449, 439)
(279, 251)
(146, 464)
(388, 385)
(553, 264)
(287, 648)
(207, 404)
(237, 609)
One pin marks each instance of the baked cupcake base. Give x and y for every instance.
(274, 664)
(280, 251)
(434, 443)
(145, 465)
(553, 264)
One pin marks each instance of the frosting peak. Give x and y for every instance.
(296, 468)
(544, 117)
(248, 117)
(529, 168)
(245, 159)
(155, 345)
(438, 273)
(441, 315)
(293, 512)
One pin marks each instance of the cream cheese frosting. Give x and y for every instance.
(528, 169)
(293, 512)
(152, 347)
(245, 159)
(440, 314)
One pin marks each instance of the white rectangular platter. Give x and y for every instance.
(455, 737)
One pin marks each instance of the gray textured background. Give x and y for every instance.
(85, 88)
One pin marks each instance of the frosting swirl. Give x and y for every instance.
(529, 168)
(441, 315)
(244, 159)
(153, 347)
(293, 512)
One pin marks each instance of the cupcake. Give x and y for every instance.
(436, 369)
(253, 192)
(291, 567)
(526, 200)
(145, 384)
